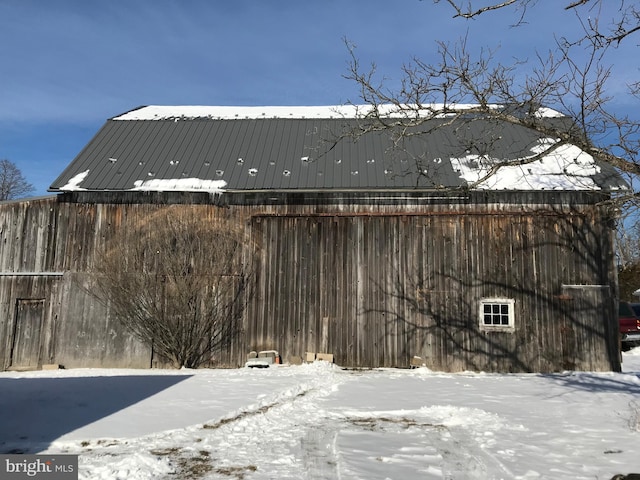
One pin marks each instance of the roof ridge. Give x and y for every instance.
(347, 111)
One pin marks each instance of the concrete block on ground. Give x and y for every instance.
(326, 357)
(416, 362)
(295, 360)
(51, 366)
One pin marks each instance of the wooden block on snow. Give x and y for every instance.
(295, 360)
(51, 366)
(326, 357)
(416, 362)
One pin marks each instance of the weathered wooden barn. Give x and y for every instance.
(374, 248)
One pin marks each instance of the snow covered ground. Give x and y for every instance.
(318, 421)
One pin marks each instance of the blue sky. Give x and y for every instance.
(67, 65)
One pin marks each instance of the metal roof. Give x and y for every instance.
(274, 153)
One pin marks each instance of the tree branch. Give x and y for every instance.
(470, 13)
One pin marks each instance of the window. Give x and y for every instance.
(496, 314)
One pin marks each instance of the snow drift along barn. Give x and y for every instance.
(373, 250)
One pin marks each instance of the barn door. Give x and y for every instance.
(25, 351)
(586, 309)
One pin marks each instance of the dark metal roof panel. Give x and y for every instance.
(287, 153)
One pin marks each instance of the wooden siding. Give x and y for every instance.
(377, 290)
(375, 282)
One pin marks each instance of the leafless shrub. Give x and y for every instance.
(179, 282)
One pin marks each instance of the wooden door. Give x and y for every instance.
(25, 351)
(585, 330)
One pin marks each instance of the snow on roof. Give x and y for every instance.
(564, 168)
(545, 112)
(188, 112)
(180, 185)
(158, 185)
(75, 181)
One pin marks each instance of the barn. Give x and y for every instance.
(382, 249)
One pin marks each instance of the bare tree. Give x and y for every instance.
(628, 246)
(571, 82)
(628, 250)
(179, 282)
(12, 182)
(625, 23)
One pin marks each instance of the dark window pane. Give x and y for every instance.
(496, 314)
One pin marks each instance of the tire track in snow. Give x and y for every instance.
(255, 440)
(438, 442)
(251, 412)
(289, 437)
(302, 432)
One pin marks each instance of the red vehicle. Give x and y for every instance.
(629, 320)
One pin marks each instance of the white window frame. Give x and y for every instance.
(497, 327)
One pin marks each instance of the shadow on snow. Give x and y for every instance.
(36, 411)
